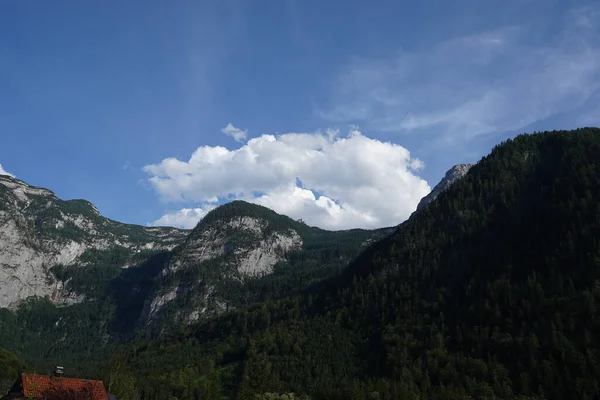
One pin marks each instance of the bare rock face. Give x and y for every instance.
(452, 175)
(253, 254)
(39, 231)
(222, 261)
(261, 259)
(236, 248)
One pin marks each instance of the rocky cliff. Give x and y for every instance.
(248, 245)
(39, 232)
(451, 176)
(241, 244)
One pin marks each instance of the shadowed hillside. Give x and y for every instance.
(489, 292)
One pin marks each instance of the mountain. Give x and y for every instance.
(489, 292)
(73, 281)
(242, 253)
(47, 245)
(452, 175)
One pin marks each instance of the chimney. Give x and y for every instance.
(58, 372)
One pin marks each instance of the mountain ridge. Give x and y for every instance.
(241, 242)
(118, 281)
(39, 231)
(489, 292)
(455, 173)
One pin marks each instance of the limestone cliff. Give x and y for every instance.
(38, 232)
(451, 176)
(240, 243)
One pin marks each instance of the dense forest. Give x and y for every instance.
(77, 335)
(490, 292)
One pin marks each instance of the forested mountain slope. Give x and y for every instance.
(238, 255)
(242, 253)
(452, 175)
(489, 292)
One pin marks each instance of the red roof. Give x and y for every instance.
(36, 385)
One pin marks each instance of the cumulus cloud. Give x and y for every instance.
(328, 180)
(3, 172)
(186, 218)
(495, 81)
(236, 133)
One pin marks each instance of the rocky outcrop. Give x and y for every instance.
(452, 175)
(244, 243)
(260, 260)
(239, 247)
(39, 231)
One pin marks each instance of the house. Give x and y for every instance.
(55, 386)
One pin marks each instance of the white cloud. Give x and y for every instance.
(186, 218)
(495, 81)
(360, 182)
(3, 172)
(236, 133)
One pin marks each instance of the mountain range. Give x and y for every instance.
(66, 264)
(488, 291)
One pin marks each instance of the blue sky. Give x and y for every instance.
(126, 103)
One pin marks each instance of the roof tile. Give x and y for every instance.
(35, 385)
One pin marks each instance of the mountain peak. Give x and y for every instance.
(239, 209)
(457, 171)
(21, 190)
(452, 175)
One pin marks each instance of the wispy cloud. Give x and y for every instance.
(494, 81)
(237, 134)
